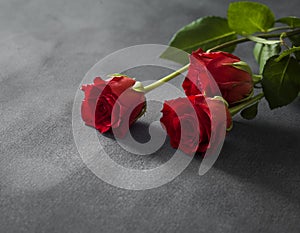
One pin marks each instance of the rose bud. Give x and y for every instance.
(112, 104)
(188, 122)
(232, 75)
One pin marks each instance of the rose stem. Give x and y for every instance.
(236, 109)
(278, 28)
(245, 39)
(221, 46)
(166, 79)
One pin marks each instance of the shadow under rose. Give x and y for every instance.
(140, 133)
(264, 154)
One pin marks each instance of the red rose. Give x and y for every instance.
(234, 83)
(102, 97)
(188, 122)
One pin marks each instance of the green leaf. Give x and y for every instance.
(251, 112)
(280, 81)
(291, 21)
(248, 17)
(262, 52)
(204, 33)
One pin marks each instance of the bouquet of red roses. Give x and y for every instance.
(116, 103)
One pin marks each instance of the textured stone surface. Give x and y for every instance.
(46, 48)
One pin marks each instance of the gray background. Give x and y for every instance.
(46, 47)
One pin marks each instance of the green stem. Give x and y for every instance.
(228, 44)
(287, 52)
(245, 39)
(279, 28)
(289, 33)
(236, 109)
(165, 79)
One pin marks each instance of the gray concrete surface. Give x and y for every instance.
(46, 48)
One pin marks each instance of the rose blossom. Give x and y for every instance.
(102, 97)
(188, 122)
(234, 82)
